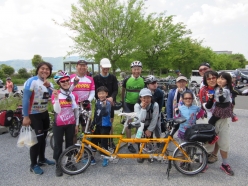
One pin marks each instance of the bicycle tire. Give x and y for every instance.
(198, 156)
(15, 127)
(52, 141)
(67, 160)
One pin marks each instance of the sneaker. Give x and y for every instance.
(205, 169)
(235, 118)
(131, 148)
(216, 138)
(105, 162)
(212, 158)
(46, 162)
(227, 169)
(93, 162)
(36, 170)
(58, 171)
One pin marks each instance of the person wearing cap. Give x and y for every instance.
(147, 111)
(131, 87)
(83, 85)
(202, 69)
(175, 96)
(110, 81)
(178, 72)
(158, 96)
(9, 86)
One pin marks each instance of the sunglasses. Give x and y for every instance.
(64, 81)
(68, 99)
(187, 98)
(212, 78)
(203, 69)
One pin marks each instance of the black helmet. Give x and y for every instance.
(117, 106)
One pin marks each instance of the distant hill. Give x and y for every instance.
(57, 62)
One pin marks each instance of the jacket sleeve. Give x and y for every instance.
(154, 117)
(169, 106)
(115, 88)
(140, 112)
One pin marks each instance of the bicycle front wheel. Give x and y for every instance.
(68, 158)
(197, 154)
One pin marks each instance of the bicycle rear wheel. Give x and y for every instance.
(52, 141)
(197, 154)
(67, 160)
(14, 128)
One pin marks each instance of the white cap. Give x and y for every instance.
(105, 63)
(145, 92)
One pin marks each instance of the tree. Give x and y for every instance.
(23, 73)
(7, 70)
(36, 60)
(107, 28)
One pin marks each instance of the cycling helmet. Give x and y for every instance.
(150, 79)
(59, 75)
(136, 64)
(117, 106)
(8, 78)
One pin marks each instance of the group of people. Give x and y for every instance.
(73, 89)
(140, 95)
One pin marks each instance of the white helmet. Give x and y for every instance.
(60, 74)
(105, 63)
(136, 64)
(150, 79)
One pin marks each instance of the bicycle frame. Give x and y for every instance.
(143, 141)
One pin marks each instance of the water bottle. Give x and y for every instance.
(140, 130)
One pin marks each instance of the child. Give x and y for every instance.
(222, 96)
(66, 116)
(102, 121)
(188, 111)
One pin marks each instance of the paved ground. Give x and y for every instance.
(14, 166)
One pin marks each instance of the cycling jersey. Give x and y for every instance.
(85, 89)
(35, 96)
(66, 115)
(133, 87)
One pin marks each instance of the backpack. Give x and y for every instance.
(15, 88)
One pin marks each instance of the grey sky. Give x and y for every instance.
(27, 27)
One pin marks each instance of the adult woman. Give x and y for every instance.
(66, 116)
(221, 127)
(175, 96)
(35, 98)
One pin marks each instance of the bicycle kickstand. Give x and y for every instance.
(168, 169)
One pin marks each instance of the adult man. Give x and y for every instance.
(108, 80)
(158, 96)
(85, 88)
(130, 93)
(202, 69)
(174, 97)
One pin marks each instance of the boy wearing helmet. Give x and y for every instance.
(66, 116)
(130, 93)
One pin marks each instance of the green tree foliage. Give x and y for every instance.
(7, 70)
(240, 58)
(107, 28)
(225, 62)
(22, 72)
(36, 60)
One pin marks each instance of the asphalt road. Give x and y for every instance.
(14, 165)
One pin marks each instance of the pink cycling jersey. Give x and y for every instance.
(85, 89)
(66, 116)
